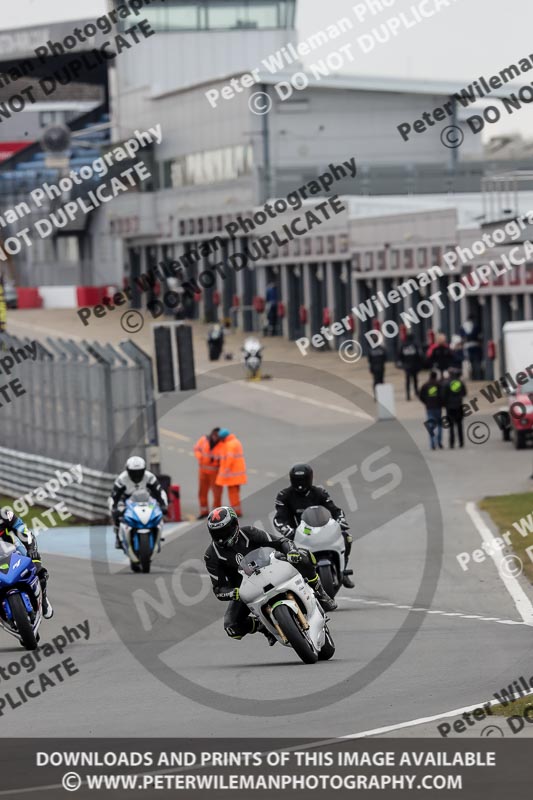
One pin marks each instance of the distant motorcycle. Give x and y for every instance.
(20, 596)
(281, 600)
(252, 351)
(321, 535)
(140, 530)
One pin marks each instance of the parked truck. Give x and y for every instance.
(516, 421)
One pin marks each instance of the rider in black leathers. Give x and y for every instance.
(301, 494)
(223, 556)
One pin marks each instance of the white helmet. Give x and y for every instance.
(136, 467)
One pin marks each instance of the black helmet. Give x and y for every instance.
(301, 476)
(223, 525)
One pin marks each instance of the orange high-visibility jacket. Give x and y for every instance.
(208, 458)
(232, 470)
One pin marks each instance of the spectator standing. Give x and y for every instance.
(410, 360)
(232, 470)
(439, 355)
(471, 333)
(431, 396)
(376, 362)
(453, 392)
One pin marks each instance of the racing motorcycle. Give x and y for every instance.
(281, 600)
(321, 535)
(252, 357)
(140, 530)
(20, 596)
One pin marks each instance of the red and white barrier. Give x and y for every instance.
(62, 296)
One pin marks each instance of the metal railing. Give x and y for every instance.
(83, 403)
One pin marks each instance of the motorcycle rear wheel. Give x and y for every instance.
(24, 627)
(328, 648)
(285, 618)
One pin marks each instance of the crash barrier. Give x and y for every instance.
(48, 480)
(82, 403)
(174, 359)
(62, 296)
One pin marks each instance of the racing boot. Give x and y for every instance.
(327, 602)
(346, 580)
(48, 611)
(271, 639)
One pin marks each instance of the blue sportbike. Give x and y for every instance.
(140, 530)
(20, 596)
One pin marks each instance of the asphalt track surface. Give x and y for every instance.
(466, 644)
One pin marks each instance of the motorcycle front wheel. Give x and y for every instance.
(325, 573)
(22, 622)
(145, 553)
(288, 623)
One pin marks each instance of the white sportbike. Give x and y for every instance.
(321, 535)
(278, 596)
(252, 356)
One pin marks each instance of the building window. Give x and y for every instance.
(180, 15)
(343, 243)
(394, 259)
(307, 246)
(368, 261)
(408, 259)
(51, 118)
(296, 247)
(331, 244)
(422, 263)
(319, 249)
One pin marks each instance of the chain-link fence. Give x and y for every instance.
(82, 402)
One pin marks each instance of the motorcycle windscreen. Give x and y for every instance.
(141, 496)
(256, 559)
(316, 516)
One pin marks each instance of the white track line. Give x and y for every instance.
(431, 611)
(309, 400)
(519, 597)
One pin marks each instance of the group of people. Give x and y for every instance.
(464, 348)
(448, 393)
(221, 463)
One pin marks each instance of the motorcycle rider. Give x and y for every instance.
(13, 529)
(134, 477)
(301, 494)
(223, 556)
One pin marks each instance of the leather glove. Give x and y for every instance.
(232, 594)
(294, 556)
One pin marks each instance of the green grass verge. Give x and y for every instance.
(517, 707)
(506, 510)
(36, 512)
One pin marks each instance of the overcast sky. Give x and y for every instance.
(459, 43)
